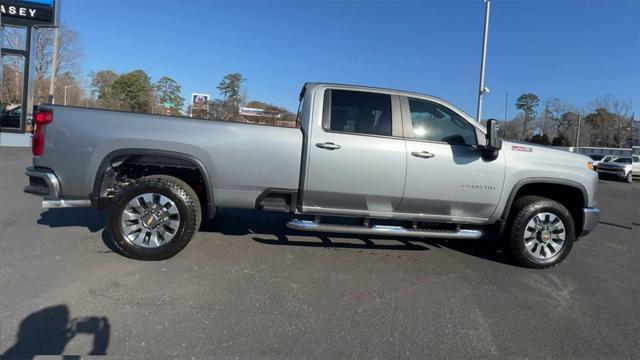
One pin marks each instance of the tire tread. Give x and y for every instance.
(523, 206)
(192, 221)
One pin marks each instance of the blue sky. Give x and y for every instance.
(45, 2)
(573, 50)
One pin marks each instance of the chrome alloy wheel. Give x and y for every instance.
(150, 220)
(544, 235)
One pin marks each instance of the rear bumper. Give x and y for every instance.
(591, 217)
(44, 182)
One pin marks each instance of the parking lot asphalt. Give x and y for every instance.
(247, 287)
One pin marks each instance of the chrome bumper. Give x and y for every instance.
(49, 187)
(591, 217)
(44, 182)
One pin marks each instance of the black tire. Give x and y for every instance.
(524, 209)
(629, 177)
(174, 189)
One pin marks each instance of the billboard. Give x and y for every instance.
(199, 100)
(28, 12)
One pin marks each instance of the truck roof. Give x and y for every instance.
(313, 85)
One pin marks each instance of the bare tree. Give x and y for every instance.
(527, 103)
(562, 117)
(518, 128)
(11, 83)
(14, 38)
(611, 121)
(70, 56)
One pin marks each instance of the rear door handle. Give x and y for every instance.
(423, 154)
(328, 146)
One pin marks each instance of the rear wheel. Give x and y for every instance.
(541, 232)
(629, 177)
(154, 218)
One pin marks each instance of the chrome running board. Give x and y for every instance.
(384, 230)
(56, 204)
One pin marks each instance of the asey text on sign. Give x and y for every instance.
(17, 11)
(28, 12)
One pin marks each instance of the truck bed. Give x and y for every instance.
(242, 159)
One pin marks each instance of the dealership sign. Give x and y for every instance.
(28, 12)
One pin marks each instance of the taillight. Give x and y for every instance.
(40, 118)
(43, 117)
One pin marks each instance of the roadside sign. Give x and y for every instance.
(199, 100)
(29, 12)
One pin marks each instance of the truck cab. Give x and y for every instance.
(380, 154)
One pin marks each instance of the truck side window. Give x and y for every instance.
(435, 122)
(360, 112)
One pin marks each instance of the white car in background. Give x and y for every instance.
(636, 165)
(620, 167)
(597, 159)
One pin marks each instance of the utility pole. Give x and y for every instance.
(506, 101)
(605, 129)
(578, 134)
(65, 93)
(483, 90)
(54, 67)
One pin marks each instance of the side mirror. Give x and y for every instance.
(494, 144)
(493, 140)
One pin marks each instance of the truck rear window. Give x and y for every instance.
(360, 112)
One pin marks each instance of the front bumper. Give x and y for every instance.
(617, 172)
(590, 219)
(44, 182)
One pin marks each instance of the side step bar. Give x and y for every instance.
(57, 204)
(384, 230)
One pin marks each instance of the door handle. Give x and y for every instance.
(328, 146)
(423, 154)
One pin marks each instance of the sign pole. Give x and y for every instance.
(54, 67)
(483, 89)
(27, 84)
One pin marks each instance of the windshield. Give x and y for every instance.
(596, 157)
(624, 160)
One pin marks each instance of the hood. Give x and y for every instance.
(529, 162)
(550, 154)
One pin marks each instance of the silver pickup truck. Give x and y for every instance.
(387, 162)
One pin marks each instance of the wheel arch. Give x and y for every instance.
(576, 197)
(105, 170)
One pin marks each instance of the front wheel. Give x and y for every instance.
(154, 218)
(541, 232)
